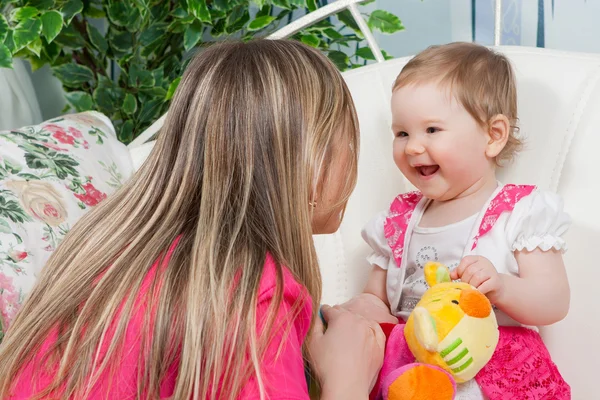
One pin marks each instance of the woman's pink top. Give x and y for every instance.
(283, 373)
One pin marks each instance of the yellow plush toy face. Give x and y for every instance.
(453, 326)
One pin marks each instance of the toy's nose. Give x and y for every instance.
(475, 304)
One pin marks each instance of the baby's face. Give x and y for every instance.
(438, 145)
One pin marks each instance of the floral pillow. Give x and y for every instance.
(50, 175)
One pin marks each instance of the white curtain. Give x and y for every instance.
(18, 102)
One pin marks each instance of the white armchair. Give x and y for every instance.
(559, 111)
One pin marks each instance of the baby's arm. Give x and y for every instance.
(372, 303)
(541, 294)
(536, 292)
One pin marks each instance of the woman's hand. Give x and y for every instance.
(370, 307)
(348, 355)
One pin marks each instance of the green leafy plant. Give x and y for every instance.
(125, 58)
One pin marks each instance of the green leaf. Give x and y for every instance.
(5, 57)
(19, 241)
(139, 77)
(3, 28)
(224, 5)
(311, 40)
(172, 88)
(285, 4)
(61, 164)
(51, 25)
(118, 13)
(126, 132)
(347, 19)
(192, 35)
(340, 59)
(96, 38)
(36, 46)
(19, 14)
(158, 12)
(129, 105)
(260, 22)
(177, 26)
(159, 76)
(366, 53)
(4, 226)
(70, 9)
(311, 5)
(153, 33)
(51, 51)
(82, 101)
(385, 22)
(105, 82)
(134, 21)
(237, 19)
(12, 210)
(150, 110)
(26, 32)
(94, 12)
(9, 41)
(41, 4)
(332, 34)
(199, 9)
(70, 37)
(319, 26)
(386, 55)
(259, 3)
(180, 13)
(12, 166)
(266, 10)
(149, 50)
(73, 75)
(108, 99)
(218, 28)
(121, 41)
(147, 94)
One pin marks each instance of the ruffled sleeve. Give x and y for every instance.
(372, 233)
(538, 221)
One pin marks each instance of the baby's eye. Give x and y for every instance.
(401, 134)
(432, 129)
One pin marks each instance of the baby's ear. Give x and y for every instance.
(435, 273)
(498, 133)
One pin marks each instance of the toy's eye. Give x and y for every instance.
(455, 301)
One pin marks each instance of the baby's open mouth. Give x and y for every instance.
(428, 170)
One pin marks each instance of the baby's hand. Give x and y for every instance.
(480, 272)
(371, 308)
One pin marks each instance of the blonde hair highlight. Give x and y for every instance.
(481, 79)
(249, 132)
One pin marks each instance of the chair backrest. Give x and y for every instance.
(559, 104)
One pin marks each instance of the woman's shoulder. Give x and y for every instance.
(292, 289)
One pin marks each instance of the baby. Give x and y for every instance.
(454, 111)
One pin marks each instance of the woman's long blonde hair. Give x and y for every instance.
(252, 129)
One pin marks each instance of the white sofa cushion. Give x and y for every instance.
(50, 175)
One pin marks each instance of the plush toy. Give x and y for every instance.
(449, 337)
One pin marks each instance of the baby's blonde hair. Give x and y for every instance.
(481, 79)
